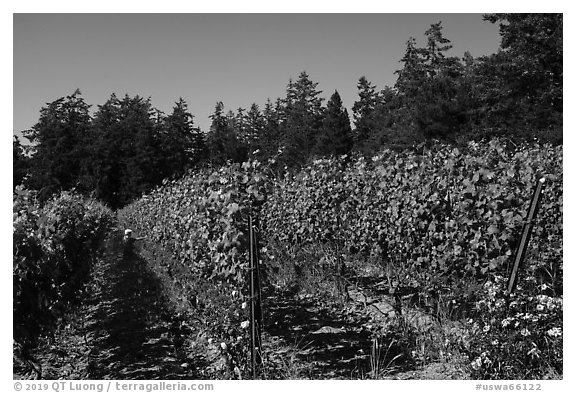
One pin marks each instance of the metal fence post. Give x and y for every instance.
(255, 307)
(526, 232)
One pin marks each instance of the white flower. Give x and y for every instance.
(234, 293)
(540, 307)
(223, 346)
(525, 332)
(210, 340)
(486, 328)
(554, 332)
(476, 363)
(245, 324)
(244, 305)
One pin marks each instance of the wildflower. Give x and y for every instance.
(495, 342)
(476, 364)
(210, 340)
(554, 332)
(244, 305)
(540, 307)
(525, 332)
(245, 324)
(234, 293)
(223, 346)
(486, 328)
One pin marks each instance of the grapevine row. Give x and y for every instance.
(54, 249)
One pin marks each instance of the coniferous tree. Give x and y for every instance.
(363, 111)
(304, 114)
(255, 124)
(335, 137)
(428, 87)
(182, 144)
(237, 123)
(521, 85)
(59, 141)
(127, 155)
(269, 137)
(222, 141)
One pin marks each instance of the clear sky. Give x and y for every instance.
(203, 58)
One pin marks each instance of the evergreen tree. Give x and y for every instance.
(237, 123)
(392, 125)
(428, 87)
(413, 73)
(127, 156)
(255, 125)
(336, 136)
(182, 144)
(304, 115)
(105, 171)
(222, 141)
(269, 137)
(437, 46)
(525, 77)
(59, 141)
(364, 109)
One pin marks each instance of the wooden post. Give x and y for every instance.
(526, 232)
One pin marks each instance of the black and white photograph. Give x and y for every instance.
(287, 196)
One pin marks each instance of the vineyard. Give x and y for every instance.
(393, 266)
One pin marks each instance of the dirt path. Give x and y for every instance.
(333, 343)
(333, 340)
(122, 330)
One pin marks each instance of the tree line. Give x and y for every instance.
(127, 146)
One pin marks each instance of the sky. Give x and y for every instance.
(239, 59)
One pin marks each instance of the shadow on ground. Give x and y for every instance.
(122, 330)
(137, 338)
(333, 341)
